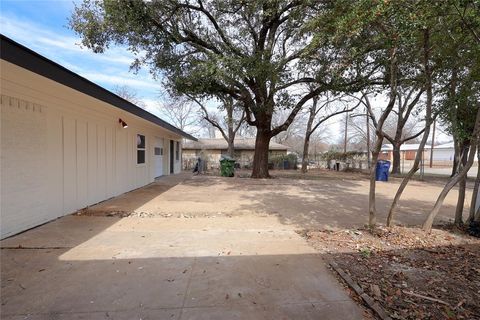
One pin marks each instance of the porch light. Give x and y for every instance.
(122, 123)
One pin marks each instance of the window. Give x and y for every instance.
(177, 151)
(158, 151)
(140, 149)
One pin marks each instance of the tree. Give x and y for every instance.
(317, 115)
(407, 101)
(459, 83)
(429, 118)
(229, 124)
(388, 31)
(182, 113)
(130, 95)
(261, 53)
(427, 225)
(473, 216)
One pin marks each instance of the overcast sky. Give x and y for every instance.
(42, 26)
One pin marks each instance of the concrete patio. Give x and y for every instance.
(95, 267)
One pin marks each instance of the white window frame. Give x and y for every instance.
(144, 149)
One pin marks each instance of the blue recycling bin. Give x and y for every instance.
(382, 170)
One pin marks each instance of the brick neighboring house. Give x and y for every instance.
(407, 151)
(211, 150)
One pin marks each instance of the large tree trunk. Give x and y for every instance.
(473, 202)
(396, 159)
(427, 225)
(231, 147)
(260, 158)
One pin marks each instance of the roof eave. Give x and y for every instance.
(26, 58)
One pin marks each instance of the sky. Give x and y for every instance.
(41, 25)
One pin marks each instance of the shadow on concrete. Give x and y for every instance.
(36, 284)
(128, 203)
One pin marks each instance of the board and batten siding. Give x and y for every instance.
(62, 150)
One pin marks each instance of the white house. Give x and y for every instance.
(67, 143)
(443, 154)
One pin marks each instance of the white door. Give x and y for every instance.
(158, 156)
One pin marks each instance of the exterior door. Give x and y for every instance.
(172, 156)
(158, 156)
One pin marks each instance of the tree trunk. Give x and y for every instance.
(308, 132)
(231, 146)
(461, 189)
(456, 156)
(427, 225)
(306, 144)
(396, 159)
(412, 171)
(372, 211)
(473, 202)
(428, 123)
(260, 158)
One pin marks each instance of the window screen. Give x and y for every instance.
(140, 149)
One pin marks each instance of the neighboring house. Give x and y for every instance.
(67, 143)
(443, 154)
(407, 151)
(211, 151)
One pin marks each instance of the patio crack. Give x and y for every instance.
(186, 289)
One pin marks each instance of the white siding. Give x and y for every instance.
(62, 150)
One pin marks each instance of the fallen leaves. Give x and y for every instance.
(413, 275)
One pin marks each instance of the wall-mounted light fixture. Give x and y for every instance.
(122, 123)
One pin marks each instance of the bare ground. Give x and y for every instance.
(321, 199)
(413, 275)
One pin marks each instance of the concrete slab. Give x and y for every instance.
(156, 268)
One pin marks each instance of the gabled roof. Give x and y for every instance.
(221, 144)
(21, 56)
(448, 145)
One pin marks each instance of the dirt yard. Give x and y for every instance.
(322, 199)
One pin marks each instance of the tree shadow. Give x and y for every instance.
(330, 203)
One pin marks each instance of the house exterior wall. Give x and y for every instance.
(443, 154)
(62, 150)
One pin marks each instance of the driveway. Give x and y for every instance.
(161, 262)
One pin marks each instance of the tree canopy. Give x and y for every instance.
(261, 53)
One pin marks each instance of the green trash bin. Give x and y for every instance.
(227, 167)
